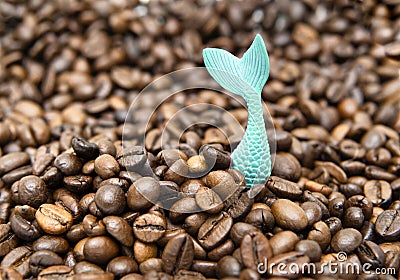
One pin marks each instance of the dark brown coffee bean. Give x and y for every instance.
(17, 174)
(85, 267)
(55, 244)
(178, 254)
(362, 202)
(154, 264)
(106, 166)
(353, 217)
(284, 188)
(320, 232)
(369, 252)
(261, 218)
(313, 212)
(118, 228)
(18, 259)
(53, 219)
(187, 274)
(387, 224)
(55, 272)
(183, 207)
(208, 200)
(289, 215)
(228, 266)
(239, 230)
(310, 248)
(346, 240)
(84, 149)
(149, 227)
(239, 204)
(378, 192)
(283, 242)
(78, 183)
(8, 240)
(68, 201)
(121, 266)
(100, 249)
(68, 164)
(222, 250)
(12, 161)
(255, 248)
(221, 182)
(377, 173)
(286, 166)
(30, 190)
(92, 226)
(42, 259)
(110, 199)
(142, 193)
(214, 230)
(24, 229)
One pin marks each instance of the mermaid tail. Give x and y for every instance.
(246, 77)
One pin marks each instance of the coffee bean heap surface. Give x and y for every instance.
(82, 198)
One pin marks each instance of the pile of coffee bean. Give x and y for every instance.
(78, 202)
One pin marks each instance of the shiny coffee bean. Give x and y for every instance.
(254, 249)
(53, 219)
(178, 254)
(121, 266)
(42, 259)
(100, 249)
(289, 215)
(369, 252)
(55, 244)
(142, 193)
(84, 148)
(214, 230)
(346, 240)
(30, 190)
(387, 224)
(149, 227)
(118, 228)
(68, 164)
(110, 199)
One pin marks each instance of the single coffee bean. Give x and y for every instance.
(68, 164)
(284, 188)
(387, 225)
(353, 217)
(283, 242)
(121, 266)
(239, 230)
(214, 230)
(149, 227)
(12, 161)
(221, 182)
(144, 251)
(42, 259)
(362, 202)
(215, 158)
(228, 266)
(18, 259)
(110, 199)
(53, 219)
(100, 249)
(106, 166)
(118, 228)
(10, 273)
(84, 148)
(56, 272)
(206, 268)
(310, 248)
(178, 254)
(30, 190)
(8, 240)
(78, 183)
(17, 174)
(193, 223)
(255, 248)
(154, 264)
(84, 267)
(68, 201)
(320, 232)
(346, 240)
(288, 215)
(378, 192)
(368, 231)
(142, 193)
(182, 208)
(55, 244)
(286, 166)
(222, 250)
(92, 226)
(369, 252)
(25, 229)
(313, 212)
(261, 218)
(208, 200)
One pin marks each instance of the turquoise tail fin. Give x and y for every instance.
(239, 76)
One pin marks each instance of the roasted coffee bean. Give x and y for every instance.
(121, 266)
(216, 158)
(144, 251)
(17, 174)
(118, 228)
(84, 149)
(378, 192)
(222, 250)
(310, 248)
(369, 252)
(142, 193)
(286, 166)
(206, 268)
(53, 219)
(255, 248)
(30, 190)
(10, 273)
(362, 202)
(193, 223)
(84, 267)
(214, 230)
(228, 266)
(180, 209)
(100, 249)
(149, 227)
(93, 226)
(239, 204)
(178, 254)
(8, 240)
(283, 242)
(261, 218)
(353, 217)
(68, 201)
(387, 224)
(55, 272)
(289, 215)
(110, 199)
(106, 166)
(239, 230)
(177, 172)
(346, 240)
(68, 164)
(320, 232)
(313, 212)
(208, 200)
(42, 259)
(24, 229)
(221, 182)
(290, 259)
(284, 188)
(78, 183)
(18, 259)
(12, 161)
(55, 244)
(155, 264)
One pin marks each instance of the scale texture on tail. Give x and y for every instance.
(246, 77)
